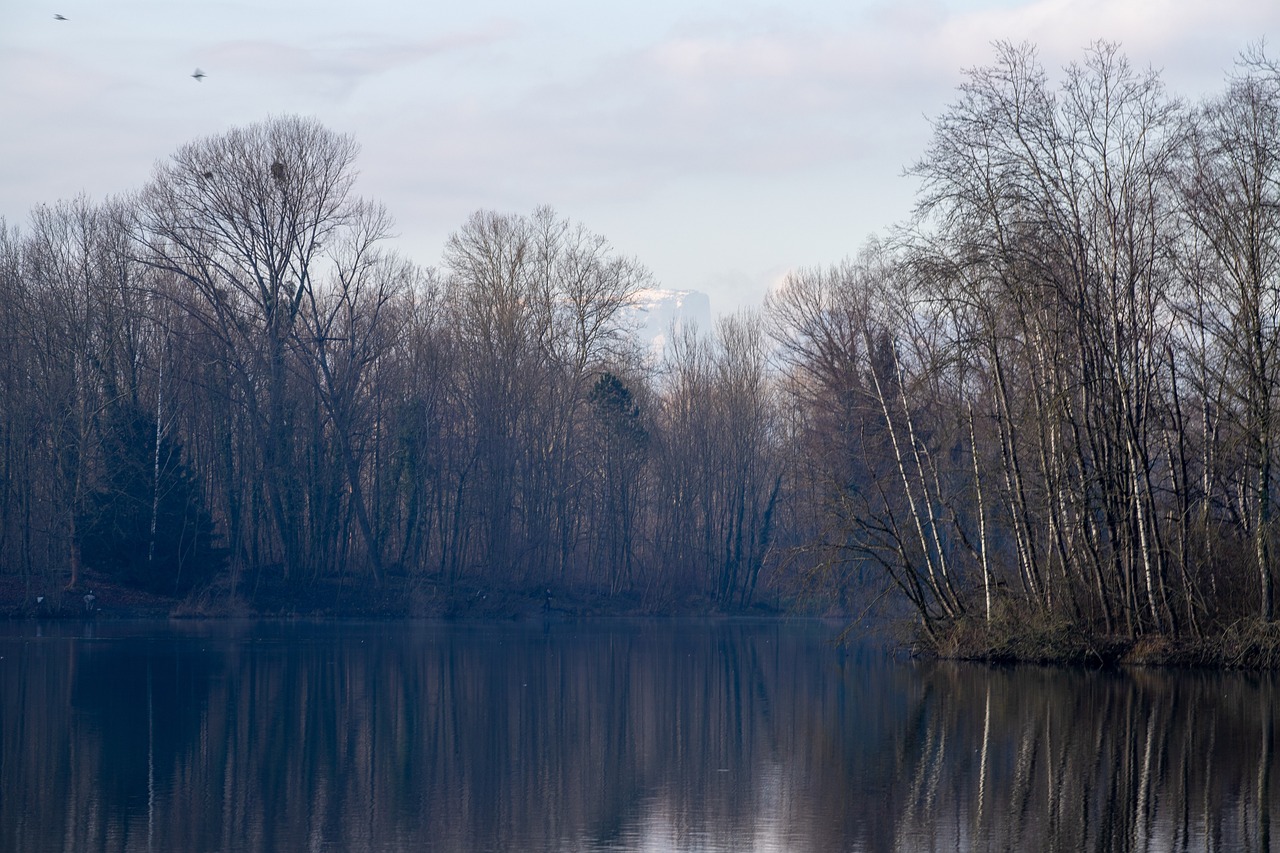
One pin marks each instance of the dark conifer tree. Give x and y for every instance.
(146, 524)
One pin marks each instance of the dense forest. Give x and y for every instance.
(1051, 398)
(229, 379)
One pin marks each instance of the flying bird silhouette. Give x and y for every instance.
(198, 74)
(58, 17)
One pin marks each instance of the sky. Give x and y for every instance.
(723, 143)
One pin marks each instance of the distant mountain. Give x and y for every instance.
(653, 312)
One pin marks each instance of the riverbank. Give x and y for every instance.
(395, 598)
(1245, 644)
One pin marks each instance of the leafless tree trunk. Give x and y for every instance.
(250, 219)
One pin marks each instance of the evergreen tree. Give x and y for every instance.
(146, 525)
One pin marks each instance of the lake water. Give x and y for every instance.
(604, 736)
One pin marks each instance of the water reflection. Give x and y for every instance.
(645, 736)
(1032, 758)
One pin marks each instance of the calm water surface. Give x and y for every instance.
(639, 736)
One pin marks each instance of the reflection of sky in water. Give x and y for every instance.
(618, 738)
(663, 828)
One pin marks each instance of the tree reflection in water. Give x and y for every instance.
(1126, 761)
(606, 737)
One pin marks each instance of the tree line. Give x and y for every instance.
(1053, 396)
(1050, 395)
(229, 377)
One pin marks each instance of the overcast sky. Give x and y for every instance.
(721, 142)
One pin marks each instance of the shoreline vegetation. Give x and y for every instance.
(1248, 644)
(399, 597)
(1007, 638)
(1042, 418)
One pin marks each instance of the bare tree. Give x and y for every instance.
(251, 219)
(1055, 214)
(537, 301)
(67, 279)
(348, 323)
(1232, 192)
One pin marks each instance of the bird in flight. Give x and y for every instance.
(198, 74)
(58, 17)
